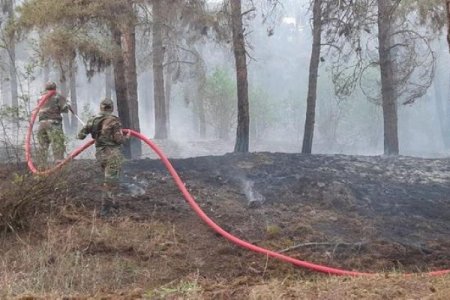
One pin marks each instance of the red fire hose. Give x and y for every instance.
(192, 202)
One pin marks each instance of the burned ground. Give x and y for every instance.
(371, 214)
(366, 213)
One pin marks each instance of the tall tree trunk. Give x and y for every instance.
(447, 6)
(441, 111)
(11, 48)
(202, 117)
(388, 93)
(4, 80)
(200, 91)
(199, 102)
(313, 74)
(146, 99)
(108, 82)
(168, 91)
(195, 93)
(121, 88)
(73, 95)
(242, 132)
(46, 74)
(161, 130)
(13, 74)
(129, 55)
(439, 92)
(64, 91)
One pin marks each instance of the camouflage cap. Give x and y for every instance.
(106, 105)
(50, 86)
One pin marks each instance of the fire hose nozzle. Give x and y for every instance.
(79, 119)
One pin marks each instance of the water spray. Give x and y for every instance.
(79, 119)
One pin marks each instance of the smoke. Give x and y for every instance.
(254, 198)
(278, 80)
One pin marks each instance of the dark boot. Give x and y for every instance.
(105, 209)
(107, 201)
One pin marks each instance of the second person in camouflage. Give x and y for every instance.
(106, 130)
(50, 129)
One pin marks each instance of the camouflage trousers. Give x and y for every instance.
(110, 159)
(51, 132)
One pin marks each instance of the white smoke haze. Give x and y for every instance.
(252, 195)
(279, 53)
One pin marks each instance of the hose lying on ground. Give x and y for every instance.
(191, 201)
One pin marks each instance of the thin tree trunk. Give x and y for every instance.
(447, 6)
(46, 71)
(129, 55)
(313, 74)
(391, 145)
(438, 93)
(202, 116)
(11, 48)
(73, 95)
(13, 74)
(146, 99)
(121, 89)
(168, 91)
(200, 91)
(196, 94)
(447, 117)
(64, 92)
(4, 84)
(108, 82)
(161, 131)
(242, 132)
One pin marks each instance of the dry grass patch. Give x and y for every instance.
(23, 196)
(187, 288)
(87, 258)
(332, 288)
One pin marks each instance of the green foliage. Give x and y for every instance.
(430, 13)
(220, 102)
(45, 14)
(221, 106)
(220, 85)
(18, 179)
(69, 27)
(264, 112)
(353, 124)
(355, 57)
(9, 113)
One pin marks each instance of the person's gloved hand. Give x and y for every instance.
(81, 136)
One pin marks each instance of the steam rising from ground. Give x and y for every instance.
(253, 196)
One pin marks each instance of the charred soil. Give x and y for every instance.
(371, 214)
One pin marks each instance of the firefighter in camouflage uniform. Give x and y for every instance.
(106, 130)
(50, 130)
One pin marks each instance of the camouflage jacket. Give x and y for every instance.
(53, 108)
(105, 129)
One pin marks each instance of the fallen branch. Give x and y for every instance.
(423, 250)
(324, 244)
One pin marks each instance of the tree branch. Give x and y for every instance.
(325, 244)
(248, 11)
(331, 45)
